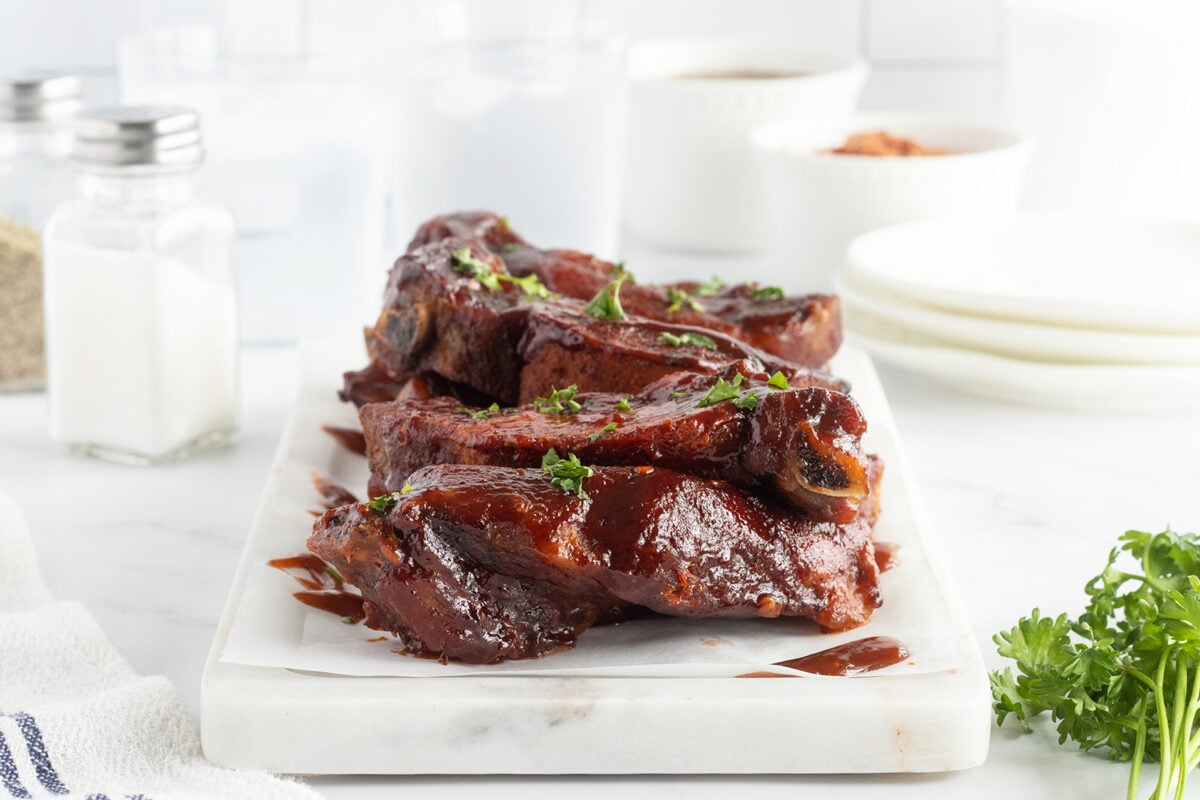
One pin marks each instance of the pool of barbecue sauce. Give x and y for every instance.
(322, 590)
(851, 658)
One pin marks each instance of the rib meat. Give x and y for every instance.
(496, 344)
(564, 345)
(437, 319)
(801, 444)
(482, 563)
(805, 330)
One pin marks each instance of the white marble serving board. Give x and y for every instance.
(278, 694)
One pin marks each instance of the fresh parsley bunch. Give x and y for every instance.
(1125, 675)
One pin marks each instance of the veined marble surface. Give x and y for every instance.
(1026, 503)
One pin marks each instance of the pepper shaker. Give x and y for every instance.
(36, 110)
(141, 317)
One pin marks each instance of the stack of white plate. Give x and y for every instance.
(1097, 312)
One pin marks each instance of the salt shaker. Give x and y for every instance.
(36, 111)
(141, 317)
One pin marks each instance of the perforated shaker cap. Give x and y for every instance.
(33, 96)
(138, 136)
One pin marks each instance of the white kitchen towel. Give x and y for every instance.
(76, 722)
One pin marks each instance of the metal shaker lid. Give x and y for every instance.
(33, 96)
(138, 136)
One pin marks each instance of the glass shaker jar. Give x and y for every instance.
(36, 111)
(141, 316)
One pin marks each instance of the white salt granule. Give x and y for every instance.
(142, 356)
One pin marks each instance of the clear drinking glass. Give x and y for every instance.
(293, 149)
(513, 108)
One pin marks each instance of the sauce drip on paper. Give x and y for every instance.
(886, 555)
(349, 438)
(851, 658)
(333, 494)
(324, 587)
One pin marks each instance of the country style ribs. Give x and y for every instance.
(800, 445)
(805, 330)
(479, 563)
(543, 462)
(439, 319)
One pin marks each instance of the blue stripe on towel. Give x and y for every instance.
(37, 753)
(8, 772)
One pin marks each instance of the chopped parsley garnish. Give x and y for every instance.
(694, 339)
(510, 247)
(472, 267)
(765, 294)
(724, 390)
(607, 303)
(778, 381)
(677, 395)
(612, 426)
(710, 287)
(408, 487)
(620, 269)
(566, 473)
(384, 502)
(747, 401)
(623, 404)
(560, 401)
(531, 285)
(482, 413)
(677, 299)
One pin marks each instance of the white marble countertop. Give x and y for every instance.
(1026, 503)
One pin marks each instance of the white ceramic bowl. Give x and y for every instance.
(817, 202)
(690, 180)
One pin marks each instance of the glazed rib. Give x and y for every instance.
(483, 563)
(497, 344)
(805, 330)
(565, 346)
(801, 445)
(438, 319)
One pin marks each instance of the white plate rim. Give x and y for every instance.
(1171, 315)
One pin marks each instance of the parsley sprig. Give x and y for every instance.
(765, 294)
(384, 502)
(467, 264)
(678, 298)
(724, 390)
(612, 426)
(694, 339)
(710, 287)
(607, 302)
(566, 473)
(560, 401)
(1125, 675)
(482, 413)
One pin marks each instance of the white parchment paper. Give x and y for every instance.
(272, 629)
